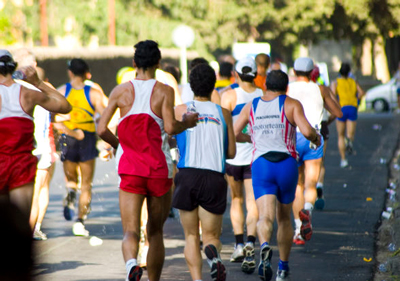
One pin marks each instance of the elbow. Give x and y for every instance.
(101, 131)
(65, 109)
(231, 153)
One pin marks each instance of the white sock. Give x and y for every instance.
(38, 226)
(320, 185)
(308, 206)
(298, 225)
(129, 264)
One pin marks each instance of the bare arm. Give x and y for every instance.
(330, 102)
(231, 151)
(102, 130)
(241, 123)
(360, 91)
(215, 98)
(301, 121)
(228, 100)
(171, 125)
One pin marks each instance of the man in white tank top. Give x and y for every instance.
(273, 119)
(201, 189)
(313, 99)
(145, 165)
(239, 170)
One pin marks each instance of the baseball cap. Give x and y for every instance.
(303, 64)
(5, 53)
(246, 62)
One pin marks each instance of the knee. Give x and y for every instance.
(131, 235)
(265, 222)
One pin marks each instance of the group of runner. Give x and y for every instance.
(266, 127)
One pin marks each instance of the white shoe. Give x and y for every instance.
(344, 163)
(238, 254)
(39, 235)
(78, 229)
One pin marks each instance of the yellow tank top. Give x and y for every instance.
(346, 89)
(82, 112)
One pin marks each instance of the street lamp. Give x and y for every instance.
(183, 37)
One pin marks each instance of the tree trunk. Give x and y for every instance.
(366, 58)
(380, 60)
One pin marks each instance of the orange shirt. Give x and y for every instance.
(260, 82)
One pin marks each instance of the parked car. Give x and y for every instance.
(382, 97)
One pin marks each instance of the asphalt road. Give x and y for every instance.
(344, 231)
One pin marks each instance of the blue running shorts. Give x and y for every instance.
(277, 178)
(349, 113)
(304, 150)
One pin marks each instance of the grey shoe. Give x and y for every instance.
(264, 268)
(238, 255)
(39, 235)
(249, 262)
(282, 275)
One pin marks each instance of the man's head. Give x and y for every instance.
(225, 70)
(345, 69)
(147, 54)
(78, 67)
(246, 68)
(202, 80)
(7, 63)
(263, 61)
(303, 66)
(277, 81)
(195, 62)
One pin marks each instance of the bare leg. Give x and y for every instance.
(351, 129)
(341, 128)
(130, 206)
(312, 168)
(190, 224)
(252, 212)
(87, 173)
(322, 172)
(236, 212)
(298, 203)
(211, 225)
(158, 209)
(44, 194)
(285, 230)
(22, 198)
(266, 206)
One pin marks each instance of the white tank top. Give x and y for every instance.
(243, 149)
(204, 146)
(10, 102)
(309, 95)
(270, 130)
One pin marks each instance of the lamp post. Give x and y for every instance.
(183, 37)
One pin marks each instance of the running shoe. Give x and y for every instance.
(282, 275)
(69, 205)
(344, 163)
(238, 255)
(78, 229)
(298, 240)
(39, 235)
(306, 227)
(249, 262)
(349, 145)
(320, 203)
(135, 273)
(218, 272)
(264, 268)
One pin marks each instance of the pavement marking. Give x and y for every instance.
(55, 247)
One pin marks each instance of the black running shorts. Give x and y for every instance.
(78, 151)
(324, 130)
(197, 187)
(239, 173)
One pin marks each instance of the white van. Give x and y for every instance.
(382, 97)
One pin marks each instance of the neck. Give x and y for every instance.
(77, 82)
(202, 98)
(6, 80)
(270, 95)
(149, 73)
(247, 86)
(303, 78)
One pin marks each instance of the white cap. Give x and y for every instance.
(5, 53)
(303, 64)
(246, 62)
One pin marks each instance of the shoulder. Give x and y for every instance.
(229, 94)
(161, 87)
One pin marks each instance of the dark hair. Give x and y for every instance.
(197, 61)
(225, 69)
(147, 54)
(174, 71)
(263, 59)
(202, 80)
(78, 67)
(344, 69)
(303, 73)
(277, 81)
(245, 77)
(7, 65)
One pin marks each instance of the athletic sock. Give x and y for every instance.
(239, 239)
(283, 265)
(129, 264)
(38, 226)
(80, 220)
(308, 206)
(251, 239)
(298, 224)
(264, 245)
(320, 185)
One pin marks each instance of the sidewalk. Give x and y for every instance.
(344, 231)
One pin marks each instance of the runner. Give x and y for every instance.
(313, 99)
(263, 62)
(348, 92)
(273, 119)
(238, 170)
(18, 165)
(145, 164)
(200, 193)
(78, 156)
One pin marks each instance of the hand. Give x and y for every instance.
(190, 119)
(318, 141)
(106, 154)
(31, 75)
